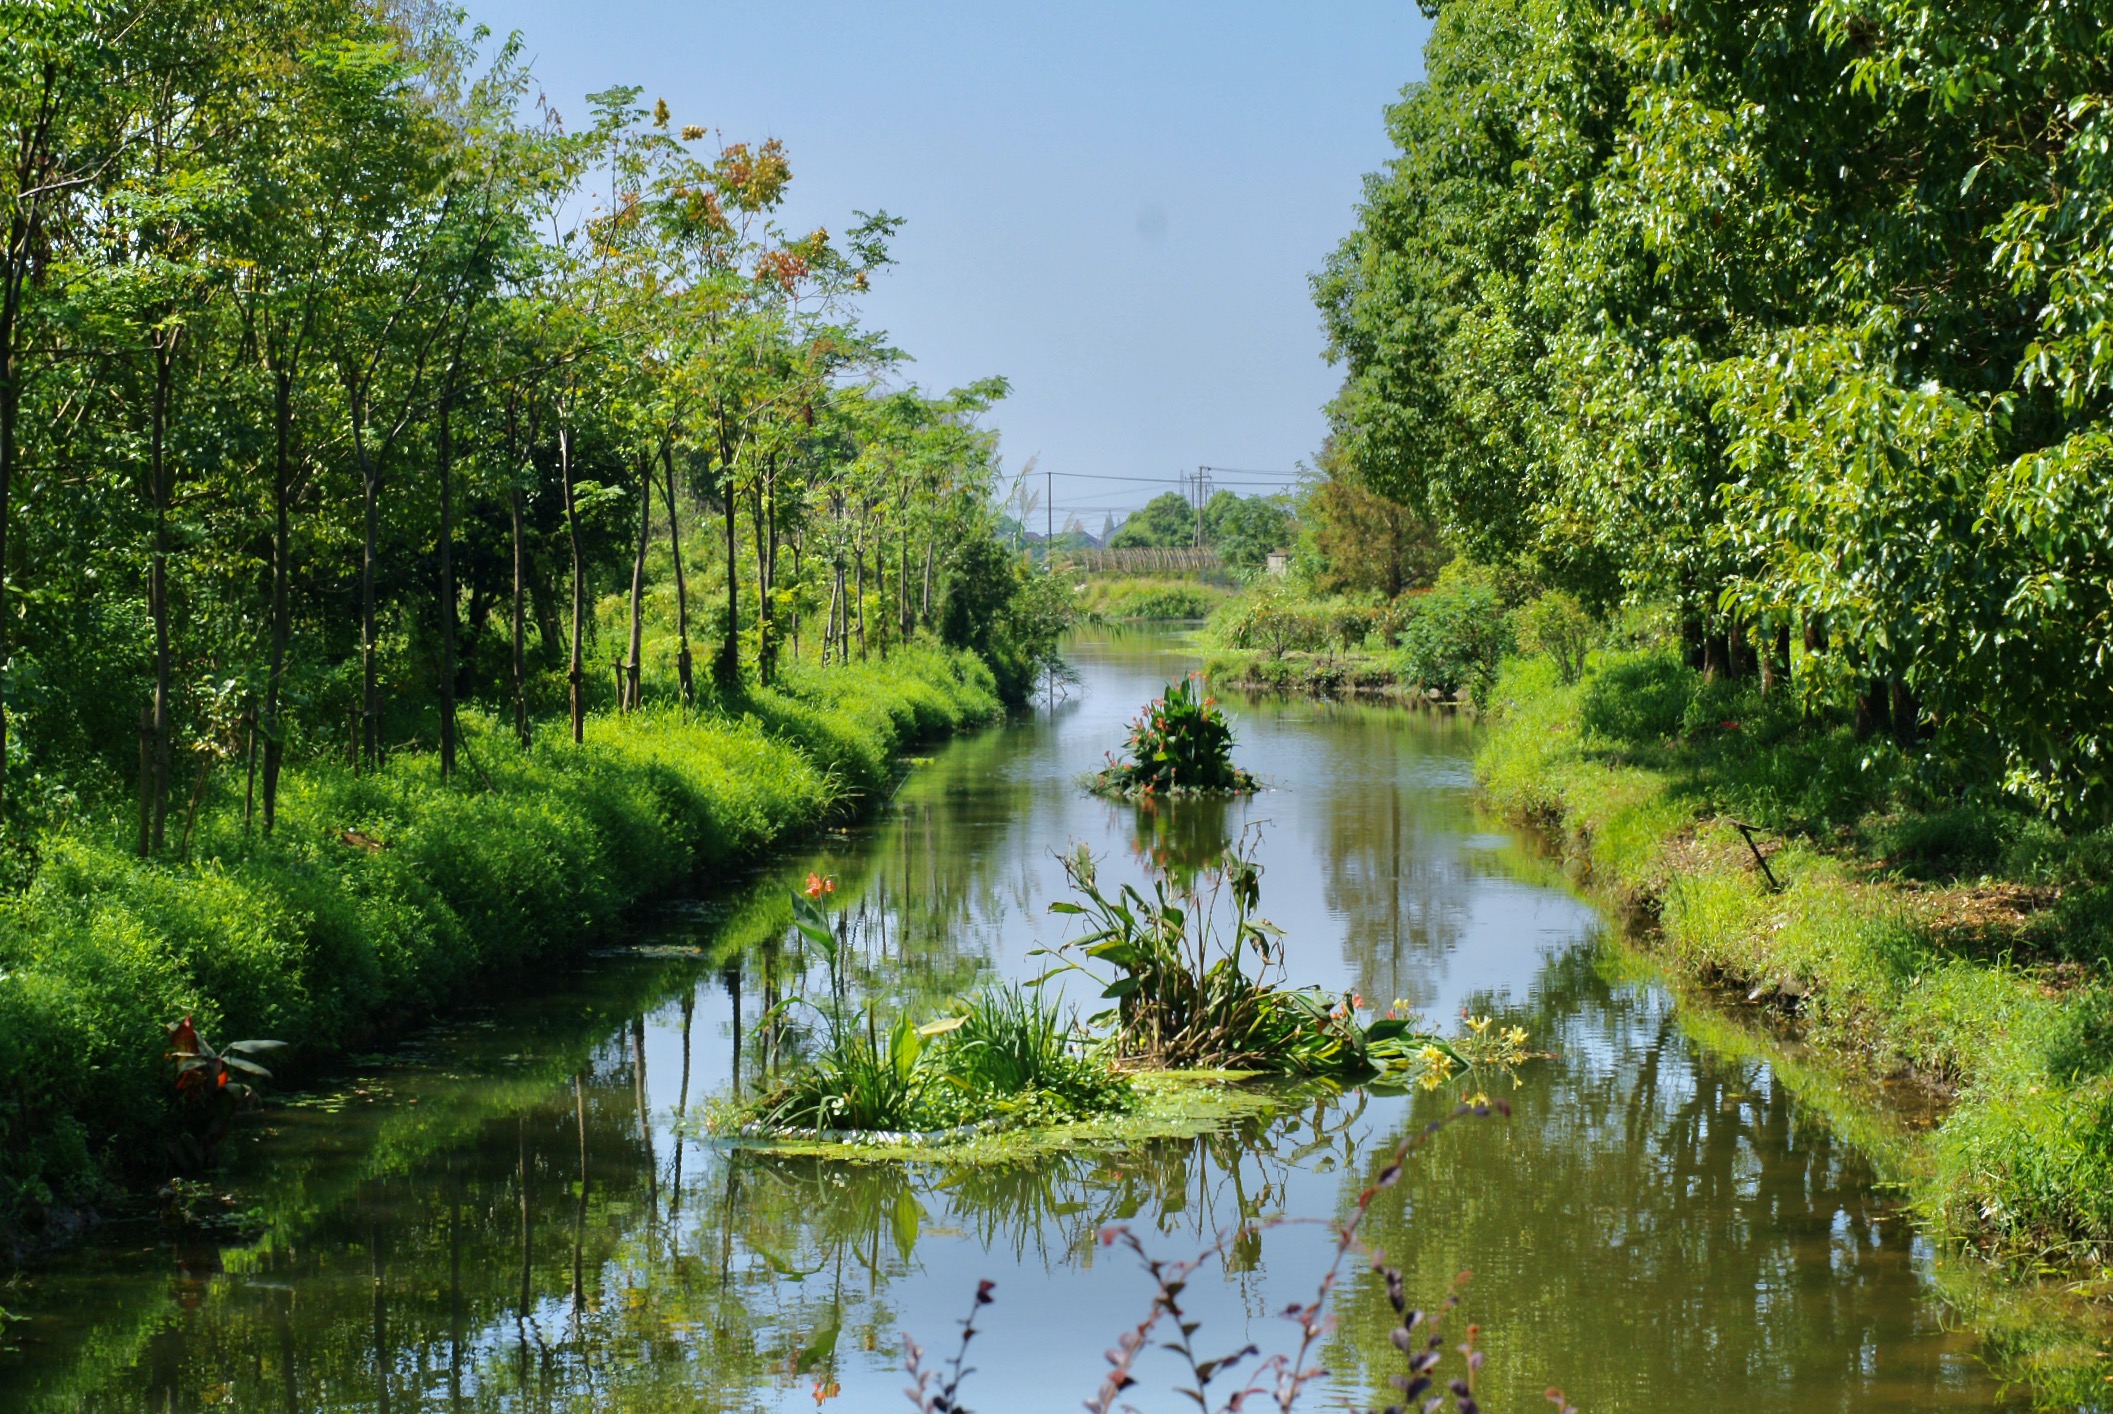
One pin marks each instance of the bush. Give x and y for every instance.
(1456, 637)
(1639, 701)
(1556, 624)
(1180, 742)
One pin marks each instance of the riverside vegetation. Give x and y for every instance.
(1197, 986)
(378, 451)
(1777, 328)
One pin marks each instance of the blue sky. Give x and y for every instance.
(1115, 206)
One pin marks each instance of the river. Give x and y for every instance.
(516, 1210)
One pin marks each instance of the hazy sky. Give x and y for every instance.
(1116, 206)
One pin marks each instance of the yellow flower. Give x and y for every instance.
(1479, 1023)
(1516, 1037)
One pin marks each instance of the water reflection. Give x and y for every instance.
(509, 1215)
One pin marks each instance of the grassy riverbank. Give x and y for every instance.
(1125, 599)
(379, 897)
(1961, 944)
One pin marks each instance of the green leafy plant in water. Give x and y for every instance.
(1005, 1054)
(1181, 742)
(1189, 993)
(213, 1085)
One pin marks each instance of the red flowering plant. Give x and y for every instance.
(211, 1087)
(1181, 743)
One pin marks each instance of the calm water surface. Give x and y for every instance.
(507, 1215)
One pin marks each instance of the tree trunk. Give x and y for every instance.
(447, 582)
(520, 628)
(925, 613)
(573, 676)
(281, 572)
(759, 517)
(158, 585)
(727, 671)
(858, 557)
(370, 497)
(682, 589)
(630, 701)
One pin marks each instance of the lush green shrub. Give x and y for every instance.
(1639, 701)
(1116, 600)
(1456, 637)
(1556, 624)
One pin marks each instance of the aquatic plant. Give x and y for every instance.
(213, 1085)
(1192, 992)
(1005, 1053)
(1181, 742)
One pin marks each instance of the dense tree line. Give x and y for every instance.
(342, 379)
(1791, 315)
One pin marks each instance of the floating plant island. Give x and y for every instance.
(1181, 744)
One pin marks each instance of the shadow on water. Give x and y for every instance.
(507, 1215)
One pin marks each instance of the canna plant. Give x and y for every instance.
(212, 1086)
(1180, 743)
(1189, 993)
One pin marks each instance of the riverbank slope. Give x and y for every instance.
(1958, 945)
(380, 897)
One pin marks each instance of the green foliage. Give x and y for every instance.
(1456, 636)
(1788, 315)
(1194, 991)
(1556, 624)
(1181, 742)
(381, 897)
(1244, 529)
(1638, 699)
(1002, 608)
(1275, 618)
(1164, 521)
(1102, 600)
(1004, 1055)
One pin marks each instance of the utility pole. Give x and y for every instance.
(1048, 514)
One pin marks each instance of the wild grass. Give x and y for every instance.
(1102, 600)
(1961, 940)
(1002, 1054)
(381, 897)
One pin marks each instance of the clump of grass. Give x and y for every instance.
(1180, 743)
(1003, 1054)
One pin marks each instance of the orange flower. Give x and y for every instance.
(814, 886)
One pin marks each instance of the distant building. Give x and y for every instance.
(1279, 561)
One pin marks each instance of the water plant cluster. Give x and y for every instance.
(1181, 742)
(1191, 992)
(1187, 994)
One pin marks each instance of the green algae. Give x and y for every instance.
(1171, 1104)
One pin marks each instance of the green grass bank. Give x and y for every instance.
(1100, 599)
(381, 897)
(1959, 945)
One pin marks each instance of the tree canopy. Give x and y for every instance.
(1788, 314)
(342, 385)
